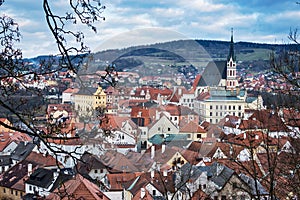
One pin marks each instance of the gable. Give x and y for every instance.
(163, 125)
(219, 153)
(177, 158)
(214, 72)
(84, 192)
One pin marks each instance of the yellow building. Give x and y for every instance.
(87, 99)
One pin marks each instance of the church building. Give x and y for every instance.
(217, 91)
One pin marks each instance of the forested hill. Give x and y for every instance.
(195, 52)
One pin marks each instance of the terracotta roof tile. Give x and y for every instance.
(78, 187)
(117, 181)
(192, 127)
(42, 160)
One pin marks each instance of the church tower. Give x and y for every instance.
(231, 81)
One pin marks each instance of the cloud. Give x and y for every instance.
(204, 5)
(258, 21)
(141, 36)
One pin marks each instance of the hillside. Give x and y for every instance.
(251, 56)
(188, 52)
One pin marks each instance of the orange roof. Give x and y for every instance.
(78, 187)
(253, 139)
(66, 141)
(116, 122)
(71, 90)
(117, 162)
(270, 120)
(7, 137)
(192, 127)
(147, 196)
(195, 83)
(42, 160)
(116, 181)
(250, 124)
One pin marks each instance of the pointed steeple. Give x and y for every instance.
(231, 50)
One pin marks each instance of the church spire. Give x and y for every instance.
(231, 51)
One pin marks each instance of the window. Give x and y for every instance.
(96, 171)
(210, 114)
(4, 191)
(169, 129)
(16, 193)
(217, 107)
(211, 107)
(198, 136)
(203, 186)
(229, 107)
(158, 128)
(240, 107)
(233, 107)
(154, 192)
(30, 188)
(234, 185)
(11, 191)
(175, 118)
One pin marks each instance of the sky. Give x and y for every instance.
(263, 21)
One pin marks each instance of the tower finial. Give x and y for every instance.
(231, 50)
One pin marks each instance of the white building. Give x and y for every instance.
(218, 93)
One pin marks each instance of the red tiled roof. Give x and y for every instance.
(78, 188)
(42, 160)
(192, 127)
(116, 181)
(270, 120)
(250, 124)
(7, 137)
(253, 139)
(195, 83)
(117, 162)
(71, 90)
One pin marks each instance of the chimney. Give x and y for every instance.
(163, 148)
(152, 151)
(143, 193)
(152, 173)
(245, 135)
(179, 91)
(165, 173)
(29, 169)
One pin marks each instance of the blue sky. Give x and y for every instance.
(265, 21)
